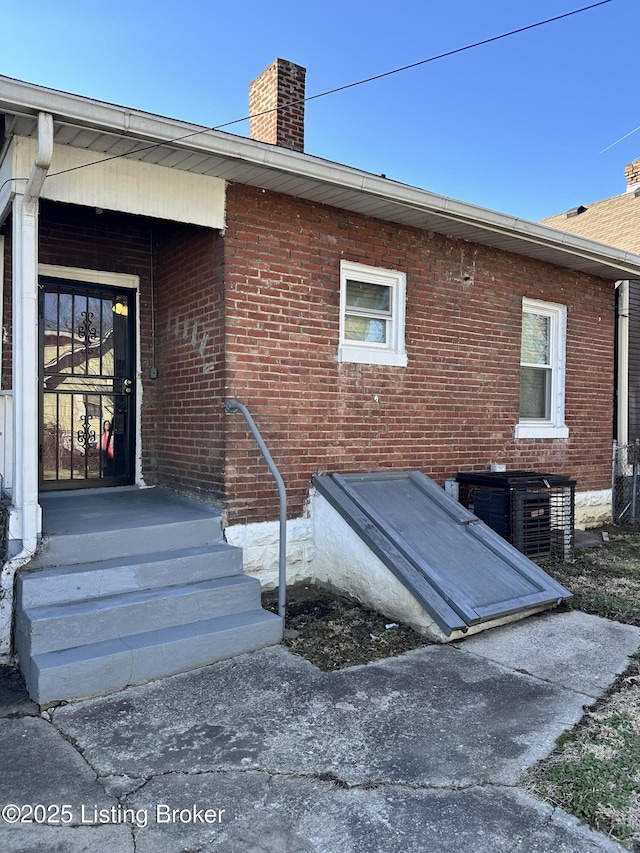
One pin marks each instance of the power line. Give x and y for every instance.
(424, 61)
(343, 88)
(622, 138)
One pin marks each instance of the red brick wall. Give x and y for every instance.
(268, 294)
(453, 408)
(190, 345)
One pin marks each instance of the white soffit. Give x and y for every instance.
(125, 185)
(156, 140)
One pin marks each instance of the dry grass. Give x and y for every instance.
(606, 580)
(594, 773)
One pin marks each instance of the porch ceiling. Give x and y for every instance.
(115, 131)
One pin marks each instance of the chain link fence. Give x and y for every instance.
(626, 483)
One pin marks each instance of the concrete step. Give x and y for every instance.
(54, 585)
(128, 586)
(61, 626)
(72, 548)
(104, 667)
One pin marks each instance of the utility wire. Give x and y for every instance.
(346, 86)
(424, 61)
(622, 138)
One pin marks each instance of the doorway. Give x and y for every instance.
(87, 385)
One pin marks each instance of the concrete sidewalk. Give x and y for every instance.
(266, 753)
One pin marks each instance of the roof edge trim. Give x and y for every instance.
(28, 99)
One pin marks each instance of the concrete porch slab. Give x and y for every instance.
(97, 510)
(121, 522)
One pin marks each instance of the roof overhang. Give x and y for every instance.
(110, 131)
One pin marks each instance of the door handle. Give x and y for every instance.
(127, 386)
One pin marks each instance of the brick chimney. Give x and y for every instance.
(276, 102)
(632, 174)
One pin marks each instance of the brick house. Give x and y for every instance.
(616, 222)
(366, 324)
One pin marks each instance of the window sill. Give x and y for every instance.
(530, 430)
(363, 355)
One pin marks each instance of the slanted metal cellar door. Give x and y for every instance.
(87, 385)
(473, 569)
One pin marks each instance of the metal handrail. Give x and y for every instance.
(235, 406)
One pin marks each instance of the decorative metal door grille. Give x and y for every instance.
(87, 385)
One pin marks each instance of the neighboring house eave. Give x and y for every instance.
(108, 129)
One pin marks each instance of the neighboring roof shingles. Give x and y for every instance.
(614, 221)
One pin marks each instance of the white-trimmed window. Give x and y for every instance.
(372, 311)
(542, 370)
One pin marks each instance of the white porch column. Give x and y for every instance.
(26, 514)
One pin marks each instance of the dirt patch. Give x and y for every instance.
(334, 631)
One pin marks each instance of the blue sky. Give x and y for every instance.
(517, 125)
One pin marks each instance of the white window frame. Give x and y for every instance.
(392, 352)
(553, 426)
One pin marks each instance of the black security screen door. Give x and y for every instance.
(87, 379)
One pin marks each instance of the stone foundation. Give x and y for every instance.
(593, 509)
(259, 543)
